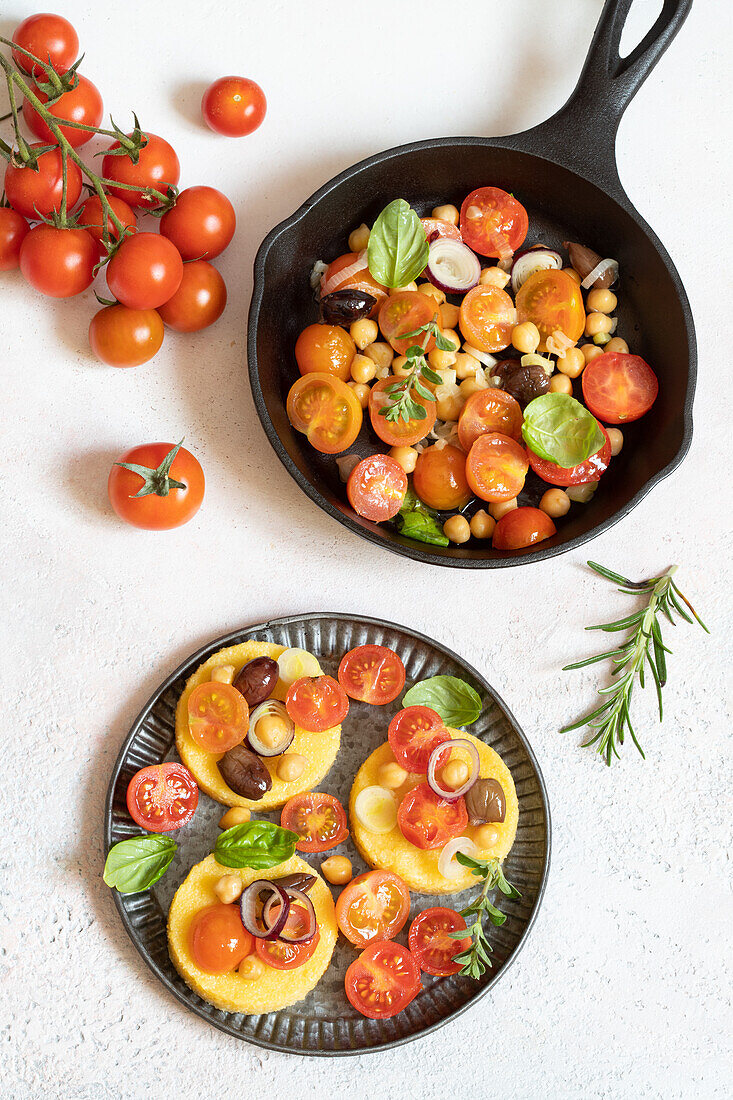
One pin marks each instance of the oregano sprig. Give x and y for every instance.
(476, 959)
(402, 404)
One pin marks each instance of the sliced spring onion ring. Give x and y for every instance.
(599, 270)
(482, 356)
(303, 900)
(294, 663)
(340, 277)
(318, 270)
(261, 926)
(474, 770)
(534, 259)
(448, 865)
(276, 709)
(558, 343)
(376, 809)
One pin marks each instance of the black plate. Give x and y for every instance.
(324, 1023)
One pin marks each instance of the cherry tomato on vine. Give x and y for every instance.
(374, 906)
(218, 939)
(123, 337)
(383, 980)
(90, 218)
(164, 504)
(145, 271)
(551, 300)
(429, 821)
(201, 224)
(318, 819)
(317, 703)
(413, 734)
(81, 104)
(199, 300)
(496, 467)
(440, 478)
(58, 262)
(431, 943)
(233, 106)
(162, 797)
(157, 167)
(33, 193)
(13, 230)
(372, 673)
(376, 487)
(522, 527)
(51, 38)
(218, 716)
(589, 470)
(619, 388)
(493, 222)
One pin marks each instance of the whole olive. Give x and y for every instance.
(344, 306)
(243, 771)
(256, 680)
(298, 881)
(486, 802)
(526, 383)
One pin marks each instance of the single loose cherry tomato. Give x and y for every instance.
(326, 411)
(383, 980)
(406, 311)
(429, 821)
(487, 317)
(362, 279)
(218, 716)
(493, 223)
(285, 956)
(58, 262)
(619, 387)
(51, 38)
(522, 527)
(374, 906)
(164, 505)
(82, 104)
(589, 470)
(551, 300)
(413, 734)
(376, 487)
(91, 219)
(157, 167)
(162, 797)
(440, 478)
(123, 337)
(372, 673)
(201, 224)
(496, 467)
(199, 300)
(13, 230)
(234, 106)
(38, 193)
(218, 939)
(325, 349)
(437, 227)
(431, 943)
(490, 410)
(318, 819)
(317, 703)
(145, 271)
(398, 432)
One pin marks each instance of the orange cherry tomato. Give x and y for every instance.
(399, 432)
(377, 487)
(359, 280)
(522, 527)
(218, 716)
(123, 337)
(199, 300)
(162, 797)
(374, 906)
(317, 703)
(413, 734)
(218, 939)
(325, 349)
(489, 410)
(405, 311)
(619, 387)
(589, 470)
(431, 942)
(90, 218)
(326, 411)
(437, 227)
(286, 956)
(429, 821)
(372, 674)
(165, 506)
(440, 478)
(496, 467)
(487, 317)
(318, 819)
(551, 300)
(383, 980)
(493, 222)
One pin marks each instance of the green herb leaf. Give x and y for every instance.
(398, 248)
(475, 960)
(257, 844)
(416, 521)
(455, 701)
(137, 863)
(561, 430)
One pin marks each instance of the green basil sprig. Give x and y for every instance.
(137, 863)
(257, 844)
(398, 248)
(416, 521)
(558, 428)
(455, 701)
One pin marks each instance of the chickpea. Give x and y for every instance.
(271, 730)
(596, 323)
(616, 436)
(380, 353)
(251, 967)
(466, 365)
(238, 815)
(572, 363)
(581, 494)
(364, 332)
(228, 888)
(441, 360)
(399, 289)
(224, 674)
(486, 836)
(452, 337)
(405, 456)
(290, 767)
(573, 274)
(469, 386)
(616, 344)
(454, 774)
(391, 775)
(447, 213)
(602, 301)
(363, 368)
(361, 392)
(449, 315)
(457, 529)
(590, 351)
(494, 276)
(337, 870)
(448, 402)
(431, 291)
(555, 503)
(526, 337)
(500, 508)
(401, 366)
(482, 525)
(359, 238)
(560, 383)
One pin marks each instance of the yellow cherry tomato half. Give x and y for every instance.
(326, 411)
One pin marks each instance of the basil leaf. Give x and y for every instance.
(255, 844)
(416, 521)
(398, 248)
(137, 863)
(455, 701)
(558, 428)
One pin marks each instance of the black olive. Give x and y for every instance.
(256, 680)
(344, 306)
(486, 802)
(298, 881)
(525, 383)
(245, 773)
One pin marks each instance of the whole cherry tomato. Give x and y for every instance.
(218, 939)
(38, 192)
(522, 527)
(145, 271)
(440, 478)
(123, 337)
(234, 106)
(58, 262)
(80, 104)
(199, 300)
(13, 230)
(173, 484)
(90, 218)
(157, 167)
(325, 349)
(201, 224)
(51, 38)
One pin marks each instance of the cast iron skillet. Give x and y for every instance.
(564, 172)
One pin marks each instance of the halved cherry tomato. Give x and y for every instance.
(522, 527)
(326, 411)
(358, 280)
(487, 317)
(590, 470)
(82, 104)
(377, 487)
(619, 387)
(431, 942)
(372, 673)
(317, 703)
(398, 433)
(489, 410)
(218, 939)
(406, 311)
(493, 222)
(318, 819)
(440, 478)
(429, 821)
(218, 716)
(162, 797)
(437, 227)
(413, 734)
(383, 980)
(286, 956)
(551, 300)
(496, 467)
(374, 906)
(325, 349)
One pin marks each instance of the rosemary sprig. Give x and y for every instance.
(477, 958)
(402, 404)
(644, 646)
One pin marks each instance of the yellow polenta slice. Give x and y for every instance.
(319, 749)
(391, 852)
(234, 993)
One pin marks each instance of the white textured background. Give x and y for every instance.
(622, 989)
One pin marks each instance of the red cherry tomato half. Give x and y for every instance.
(383, 980)
(123, 337)
(157, 167)
(377, 487)
(13, 230)
(286, 956)
(162, 797)
(199, 300)
(406, 311)
(486, 318)
(618, 387)
(218, 716)
(218, 939)
(493, 222)
(51, 38)
(372, 673)
(522, 527)
(398, 433)
(440, 478)
(153, 511)
(590, 470)
(429, 821)
(318, 819)
(82, 104)
(317, 703)
(33, 193)
(413, 734)
(374, 906)
(233, 106)
(90, 218)
(489, 410)
(145, 271)
(58, 262)
(201, 224)
(431, 943)
(496, 467)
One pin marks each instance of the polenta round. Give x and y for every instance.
(319, 749)
(419, 869)
(274, 989)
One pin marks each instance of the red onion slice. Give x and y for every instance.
(473, 775)
(307, 904)
(340, 277)
(452, 266)
(534, 259)
(268, 929)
